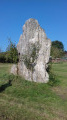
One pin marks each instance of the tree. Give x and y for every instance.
(58, 44)
(2, 57)
(57, 49)
(12, 53)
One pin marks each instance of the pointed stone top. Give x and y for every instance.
(30, 23)
(31, 20)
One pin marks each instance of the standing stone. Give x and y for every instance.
(34, 52)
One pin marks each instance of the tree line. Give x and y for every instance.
(11, 54)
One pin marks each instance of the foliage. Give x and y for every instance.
(2, 57)
(53, 81)
(11, 54)
(58, 44)
(57, 49)
(56, 53)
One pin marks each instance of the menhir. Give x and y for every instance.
(34, 52)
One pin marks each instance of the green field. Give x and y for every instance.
(26, 100)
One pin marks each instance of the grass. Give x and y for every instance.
(61, 71)
(26, 100)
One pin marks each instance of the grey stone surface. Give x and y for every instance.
(14, 69)
(34, 52)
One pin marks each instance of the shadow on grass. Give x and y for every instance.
(3, 87)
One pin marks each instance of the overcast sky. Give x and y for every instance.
(51, 15)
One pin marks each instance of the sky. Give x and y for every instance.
(51, 15)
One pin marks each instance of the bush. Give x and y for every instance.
(53, 80)
(56, 53)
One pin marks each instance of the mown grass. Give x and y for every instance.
(26, 100)
(60, 70)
